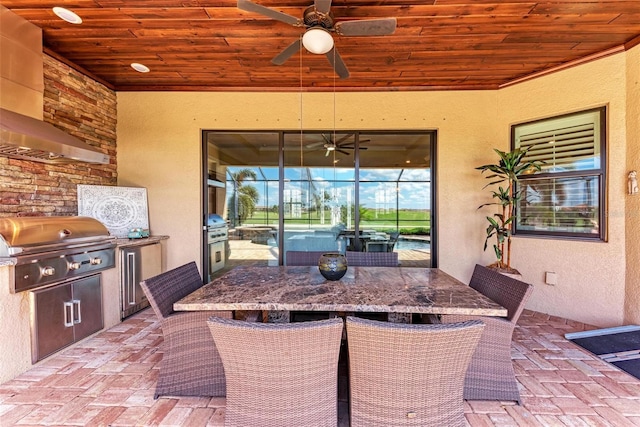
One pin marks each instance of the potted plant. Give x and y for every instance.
(508, 170)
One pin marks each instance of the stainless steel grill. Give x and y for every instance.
(217, 229)
(54, 249)
(217, 242)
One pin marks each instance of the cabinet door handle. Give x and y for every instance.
(131, 273)
(77, 319)
(68, 314)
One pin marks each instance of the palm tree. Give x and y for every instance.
(244, 198)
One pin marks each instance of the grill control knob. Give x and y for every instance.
(48, 271)
(96, 261)
(74, 265)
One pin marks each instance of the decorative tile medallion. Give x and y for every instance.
(119, 208)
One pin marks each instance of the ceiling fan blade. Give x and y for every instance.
(327, 153)
(352, 145)
(322, 6)
(337, 63)
(315, 145)
(342, 151)
(288, 51)
(367, 27)
(250, 6)
(344, 138)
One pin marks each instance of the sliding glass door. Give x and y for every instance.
(395, 193)
(318, 192)
(322, 191)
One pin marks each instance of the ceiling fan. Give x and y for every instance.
(340, 145)
(319, 23)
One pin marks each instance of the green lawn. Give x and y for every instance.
(409, 221)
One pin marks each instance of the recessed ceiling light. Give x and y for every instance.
(140, 67)
(67, 15)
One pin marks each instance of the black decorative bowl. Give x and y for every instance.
(332, 266)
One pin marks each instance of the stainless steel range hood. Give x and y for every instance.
(31, 139)
(23, 133)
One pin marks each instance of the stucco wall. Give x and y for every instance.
(591, 275)
(15, 335)
(632, 254)
(159, 148)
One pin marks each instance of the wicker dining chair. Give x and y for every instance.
(190, 364)
(373, 259)
(280, 374)
(491, 375)
(302, 258)
(408, 375)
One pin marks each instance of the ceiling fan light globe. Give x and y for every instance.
(317, 40)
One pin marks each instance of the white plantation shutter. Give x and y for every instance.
(565, 196)
(563, 144)
(569, 148)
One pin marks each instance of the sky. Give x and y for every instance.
(377, 186)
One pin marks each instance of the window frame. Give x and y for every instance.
(600, 173)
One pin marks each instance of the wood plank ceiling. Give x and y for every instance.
(437, 45)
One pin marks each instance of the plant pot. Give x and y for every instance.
(332, 266)
(510, 272)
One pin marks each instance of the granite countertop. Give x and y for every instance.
(124, 242)
(362, 289)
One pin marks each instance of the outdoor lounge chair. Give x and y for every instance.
(190, 364)
(408, 375)
(280, 374)
(491, 375)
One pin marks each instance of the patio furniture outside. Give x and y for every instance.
(190, 365)
(303, 257)
(280, 374)
(361, 289)
(491, 375)
(409, 375)
(380, 259)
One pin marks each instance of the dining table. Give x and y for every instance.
(407, 290)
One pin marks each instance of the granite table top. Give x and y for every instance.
(362, 289)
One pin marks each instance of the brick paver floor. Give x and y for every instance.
(109, 379)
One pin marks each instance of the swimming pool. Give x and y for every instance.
(412, 244)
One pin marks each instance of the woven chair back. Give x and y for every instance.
(510, 293)
(279, 374)
(302, 258)
(409, 375)
(168, 287)
(372, 259)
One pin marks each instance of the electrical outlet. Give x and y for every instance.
(551, 278)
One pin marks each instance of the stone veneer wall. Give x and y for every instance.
(83, 108)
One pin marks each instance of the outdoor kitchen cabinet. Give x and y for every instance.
(64, 314)
(137, 263)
